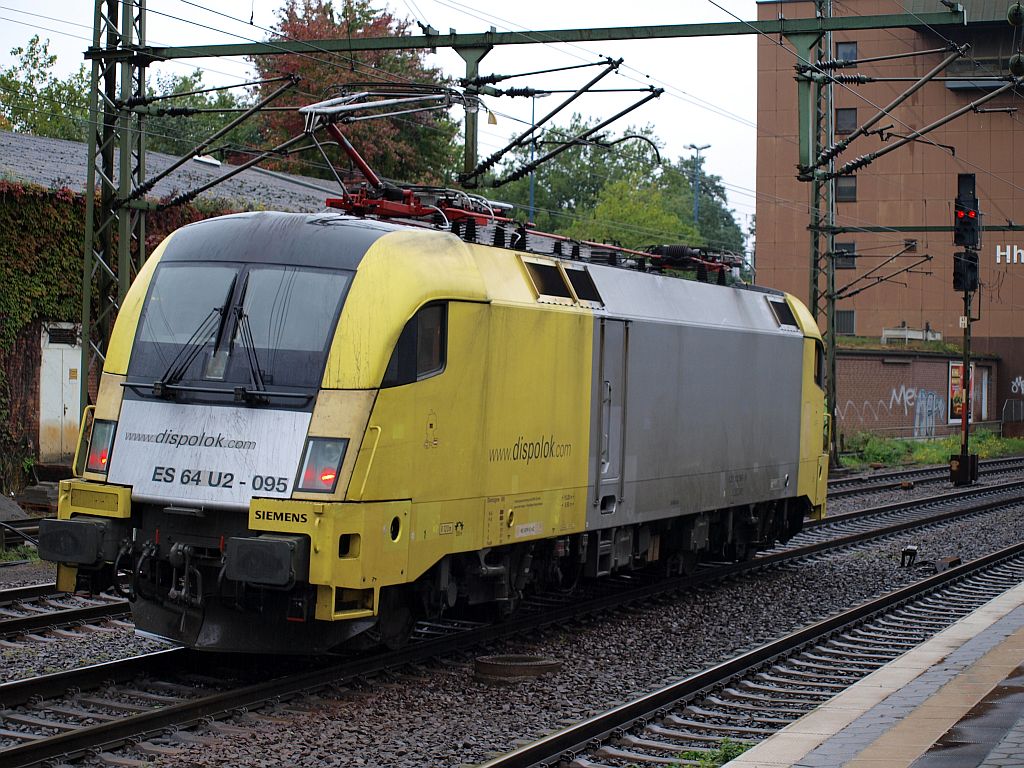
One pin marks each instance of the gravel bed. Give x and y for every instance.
(27, 574)
(919, 491)
(31, 657)
(446, 718)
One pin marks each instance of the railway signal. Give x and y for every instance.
(963, 467)
(966, 223)
(965, 271)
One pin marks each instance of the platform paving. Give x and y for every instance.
(957, 700)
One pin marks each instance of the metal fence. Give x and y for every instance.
(1013, 412)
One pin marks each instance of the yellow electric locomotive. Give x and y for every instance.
(314, 425)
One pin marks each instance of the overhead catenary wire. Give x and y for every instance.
(198, 6)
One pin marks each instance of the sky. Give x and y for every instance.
(709, 83)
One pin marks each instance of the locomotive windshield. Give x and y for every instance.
(234, 325)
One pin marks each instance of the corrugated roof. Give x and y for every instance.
(54, 163)
(977, 10)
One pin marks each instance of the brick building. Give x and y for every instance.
(912, 186)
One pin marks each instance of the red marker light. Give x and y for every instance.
(321, 464)
(100, 445)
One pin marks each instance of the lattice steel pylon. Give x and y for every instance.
(815, 91)
(115, 227)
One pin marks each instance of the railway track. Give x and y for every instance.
(907, 514)
(854, 485)
(28, 611)
(68, 714)
(757, 693)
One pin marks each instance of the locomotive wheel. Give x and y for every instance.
(396, 618)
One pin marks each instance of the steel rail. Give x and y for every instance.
(566, 743)
(31, 592)
(902, 506)
(38, 622)
(18, 692)
(869, 481)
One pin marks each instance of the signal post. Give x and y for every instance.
(963, 467)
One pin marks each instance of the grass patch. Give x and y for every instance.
(874, 343)
(721, 755)
(20, 552)
(872, 449)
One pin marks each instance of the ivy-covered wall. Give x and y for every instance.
(41, 243)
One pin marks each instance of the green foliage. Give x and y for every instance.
(33, 100)
(569, 188)
(632, 214)
(945, 347)
(40, 257)
(41, 235)
(886, 451)
(178, 134)
(872, 449)
(20, 552)
(726, 751)
(717, 226)
(569, 185)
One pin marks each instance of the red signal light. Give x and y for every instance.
(972, 214)
(959, 214)
(327, 476)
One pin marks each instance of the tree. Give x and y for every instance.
(633, 214)
(576, 192)
(416, 148)
(178, 134)
(33, 100)
(569, 185)
(717, 225)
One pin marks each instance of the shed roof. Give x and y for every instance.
(55, 163)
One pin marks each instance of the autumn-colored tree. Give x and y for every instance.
(414, 148)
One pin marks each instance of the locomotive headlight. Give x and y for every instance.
(321, 464)
(100, 445)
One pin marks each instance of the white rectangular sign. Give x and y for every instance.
(203, 454)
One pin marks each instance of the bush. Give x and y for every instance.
(871, 449)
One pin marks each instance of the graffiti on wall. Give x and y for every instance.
(1017, 386)
(926, 407)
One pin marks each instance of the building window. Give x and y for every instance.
(845, 322)
(845, 256)
(846, 51)
(846, 120)
(846, 189)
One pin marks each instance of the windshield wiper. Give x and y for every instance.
(259, 385)
(188, 353)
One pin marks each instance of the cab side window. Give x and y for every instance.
(422, 347)
(819, 364)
